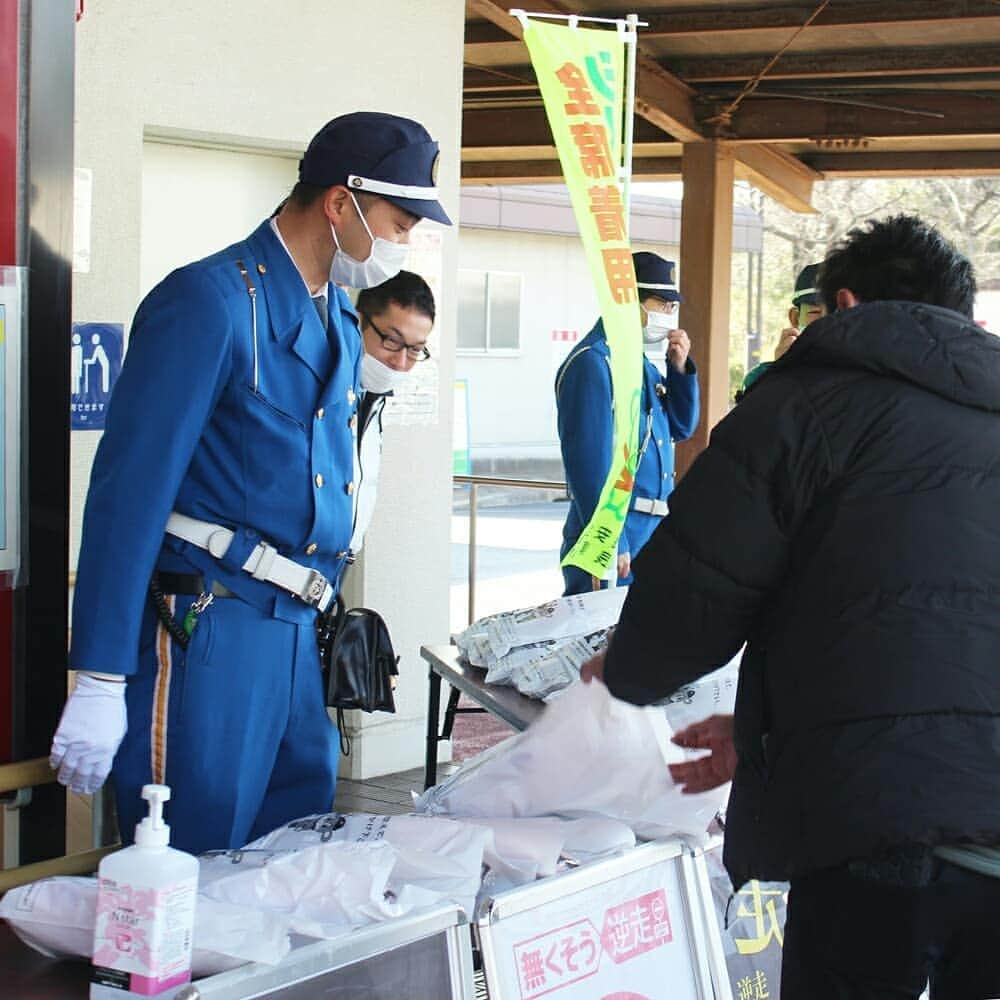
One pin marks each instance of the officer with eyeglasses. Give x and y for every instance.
(222, 503)
(396, 321)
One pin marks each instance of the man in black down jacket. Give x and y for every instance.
(844, 523)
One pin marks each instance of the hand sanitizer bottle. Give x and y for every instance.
(145, 912)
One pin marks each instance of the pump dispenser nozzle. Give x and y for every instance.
(152, 831)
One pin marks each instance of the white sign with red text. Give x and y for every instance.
(624, 939)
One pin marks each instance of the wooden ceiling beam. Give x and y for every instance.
(925, 61)
(946, 162)
(481, 80)
(526, 126)
(651, 168)
(861, 117)
(843, 13)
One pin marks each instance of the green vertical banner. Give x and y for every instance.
(581, 73)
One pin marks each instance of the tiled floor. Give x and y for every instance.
(388, 795)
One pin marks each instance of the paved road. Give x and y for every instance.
(510, 541)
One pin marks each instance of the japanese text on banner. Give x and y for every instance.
(581, 74)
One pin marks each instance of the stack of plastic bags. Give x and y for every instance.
(317, 877)
(540, 650)
(325, 875)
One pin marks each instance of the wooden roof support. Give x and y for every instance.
(661, 99)
(779, 175)
(706, 263)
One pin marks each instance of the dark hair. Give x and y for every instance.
(303, 195)
(407, 290)
(898, 258)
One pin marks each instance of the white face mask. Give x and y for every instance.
(658, 325)
(385, 260)
(379, 377)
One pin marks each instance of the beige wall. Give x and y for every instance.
(256, 77)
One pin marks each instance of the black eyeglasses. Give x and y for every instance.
(395, 345)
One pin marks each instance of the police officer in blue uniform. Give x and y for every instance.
(220, 510)
(668, 412)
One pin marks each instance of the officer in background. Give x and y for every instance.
(668, 412)
(396, 321)
(221, 505)
(807, 306)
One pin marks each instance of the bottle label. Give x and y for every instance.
(142, 938)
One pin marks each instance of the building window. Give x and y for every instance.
(489, 312)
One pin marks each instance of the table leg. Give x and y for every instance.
(433, 711)
(449, 713)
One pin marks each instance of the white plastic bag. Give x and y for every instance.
(56, 917)
(588, 754)
(320, 891)
(434, 858)
(531, 847)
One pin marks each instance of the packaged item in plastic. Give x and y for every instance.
(579, 614)
(713, 694)
(56, 916)
(437, 856)
(322, 891)
(588, 754)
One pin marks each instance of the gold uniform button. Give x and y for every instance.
(343, 555)
(311, 548)
(319, 480)
(352, 423)
(261, 269)
(349, 488)
(350, 396)
(320, 413)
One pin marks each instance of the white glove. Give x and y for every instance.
(92, 726)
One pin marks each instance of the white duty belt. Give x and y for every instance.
(658, 508)
(264, 562)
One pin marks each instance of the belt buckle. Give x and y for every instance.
(317, 592)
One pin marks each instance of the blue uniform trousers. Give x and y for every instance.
(236, 724)
(639, 526)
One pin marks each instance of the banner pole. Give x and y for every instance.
(632, 43)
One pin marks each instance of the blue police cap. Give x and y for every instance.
(655, 276)
(377, 153)
(806, 290)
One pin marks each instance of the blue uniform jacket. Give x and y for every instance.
(186, 431)
(669, 412)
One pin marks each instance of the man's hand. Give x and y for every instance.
(92, 726)
(716, 734)
(624, 565)
(678, 349)
(593, 669)
(788, 337)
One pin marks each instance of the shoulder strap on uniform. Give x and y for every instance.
(252, 292)
(570, 361)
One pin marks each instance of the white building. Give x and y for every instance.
(525, 297)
